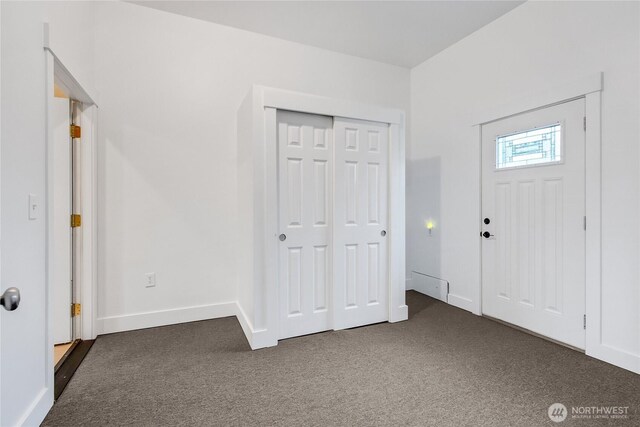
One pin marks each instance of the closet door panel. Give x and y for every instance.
(305, 150)
(360, 212)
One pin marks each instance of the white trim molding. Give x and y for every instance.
(313, 104)
(398, 309)
(88, 259)
(590, 88)
(150, 319)
(65, 78)
(595, 347)
(39, 408)
(463, 303)
(86, 272)
(87, 248)
(573, 89)
(57, 73)
(256, 338)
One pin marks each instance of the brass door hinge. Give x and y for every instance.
(76, 220)
(75, 309)
(75, 131)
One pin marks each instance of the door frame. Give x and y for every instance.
(263, 331)
(590, 88)
(1, 285)
(483, 145)
(85, 289)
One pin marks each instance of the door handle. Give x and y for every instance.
(282, 237)
(10, 299)
(486, 235)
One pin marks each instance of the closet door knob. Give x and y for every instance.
(10, 299)
(383, 233)
(282, 237)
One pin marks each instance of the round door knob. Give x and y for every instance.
(486, 234)
(383, 233)
(10, 299)
(282, 237)
(487, 221)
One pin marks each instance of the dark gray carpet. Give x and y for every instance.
(443, 367)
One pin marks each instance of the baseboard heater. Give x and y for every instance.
(432, 286)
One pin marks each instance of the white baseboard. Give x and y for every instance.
(130, 322)
(462, 302)
(615, 356)
(399, 314)
(257, 338)
(245, 324)
(38, 409)
(262, 338)
(430, 286)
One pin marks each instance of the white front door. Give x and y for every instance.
(305, 168)
(533, 224)
(61, 200)
(360, 225)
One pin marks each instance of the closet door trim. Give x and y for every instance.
(257, 127)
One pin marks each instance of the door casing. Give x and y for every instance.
(366, 233)
(589, 87)
(260, 106)
(570, 170)
(85, 114)
(85, 267)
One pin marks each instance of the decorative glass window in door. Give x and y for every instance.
(532, 147)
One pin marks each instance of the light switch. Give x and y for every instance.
(34, 206)
(151, 280)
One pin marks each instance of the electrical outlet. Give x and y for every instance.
(151, 280)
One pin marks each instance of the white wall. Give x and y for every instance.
(24, 377)
(170, 88)
(532, 48)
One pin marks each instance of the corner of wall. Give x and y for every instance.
(257, 338)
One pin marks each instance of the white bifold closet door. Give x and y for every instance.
(305, 169)
(360, 223)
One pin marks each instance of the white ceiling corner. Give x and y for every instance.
(402, 33)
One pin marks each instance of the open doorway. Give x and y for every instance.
(71, 219)
(65, 201)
